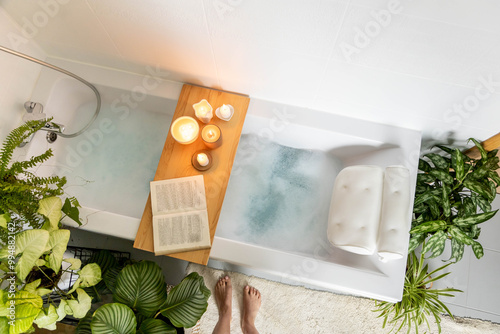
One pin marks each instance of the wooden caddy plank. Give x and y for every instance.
(175, 162)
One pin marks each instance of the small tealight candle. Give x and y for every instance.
(225, 112)
(185, 130)
(203, 111)
(212, 136)
(202, 159)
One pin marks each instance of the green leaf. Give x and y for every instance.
(446, 201)
(47, 318)
(442, 175)
(51, 207)
(430, 226)
(187, 301)
(460, 236)
(458, 164)
(446, 149)
(495, 177)
(142, 287)
(25, 315)
(435, 244)
(113, 318)
(31, 244)
(155, 326)
(424, 178)
(484, 154)
(71, 211)
(424, 165)
(58, 242)
(90, 275)
(457, 250)
(423, 198)
(474, 219)
(479, 188)
(4, 219)
(438, 161)
(415, 240)
(75, 263)
(81, 306)
(478, 249)
(469, 207)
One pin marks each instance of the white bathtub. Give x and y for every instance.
(116, 209)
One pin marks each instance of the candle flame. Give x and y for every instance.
(210, 134)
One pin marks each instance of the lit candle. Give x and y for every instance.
(202, 159)
(212, 136)
(185, 130)
(225, 112)
(203, 111)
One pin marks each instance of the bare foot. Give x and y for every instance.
(251, 306)
(223, 298)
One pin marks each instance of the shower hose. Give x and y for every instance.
(38, 61)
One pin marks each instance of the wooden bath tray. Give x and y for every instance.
(175, 162)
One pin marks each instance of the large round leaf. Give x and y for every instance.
(141, 286)
(114, 318)
(156, 326)
(187, 301)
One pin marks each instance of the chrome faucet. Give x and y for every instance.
(34, 112)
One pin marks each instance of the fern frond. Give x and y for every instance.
(20, 166)
(15, 138)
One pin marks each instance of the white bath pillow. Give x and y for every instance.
(354, 216)
(394, 219)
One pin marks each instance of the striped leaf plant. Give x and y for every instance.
(453, 197)
(141, 303)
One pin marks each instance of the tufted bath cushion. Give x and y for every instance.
(355, 209)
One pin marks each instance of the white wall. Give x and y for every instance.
(17, 77)
(417, 64)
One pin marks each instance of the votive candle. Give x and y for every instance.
(212, 136)
(185, 130)
(203, 111)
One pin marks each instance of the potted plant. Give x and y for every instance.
(141, 303)
(30, 265)
(21, 190)
(419, 300)
(453, 196)
(33, 244)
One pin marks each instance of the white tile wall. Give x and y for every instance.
(423, 66)
(18, 76)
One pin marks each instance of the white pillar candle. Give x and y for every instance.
(202, 159)
(203, 111)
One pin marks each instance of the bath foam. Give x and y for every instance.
(355, 209)
(278, 196)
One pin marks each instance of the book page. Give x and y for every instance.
(182, 231)
(178, 195)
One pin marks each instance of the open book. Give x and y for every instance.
(180, 219)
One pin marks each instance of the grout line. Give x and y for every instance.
(211, 43)
(107, 33)
(335, 40)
